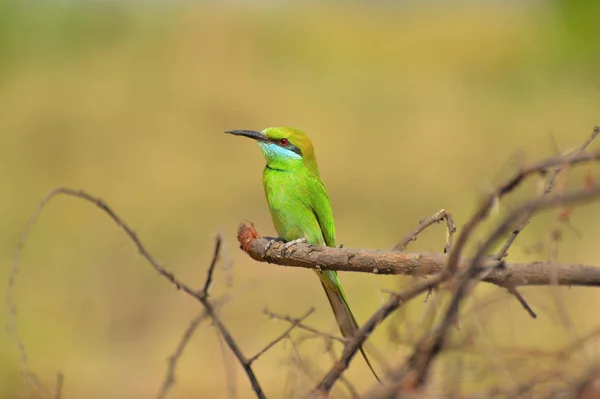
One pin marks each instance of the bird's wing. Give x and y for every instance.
(321, 207)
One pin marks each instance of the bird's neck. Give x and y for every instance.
(284, 164)
(284, 160)
(292, 165)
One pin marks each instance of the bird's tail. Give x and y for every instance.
(343, 315)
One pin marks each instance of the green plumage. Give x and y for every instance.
(300, 206)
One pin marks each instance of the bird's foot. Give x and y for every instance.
(289, 244)
(269, 243)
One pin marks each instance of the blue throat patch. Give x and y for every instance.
(273, 151)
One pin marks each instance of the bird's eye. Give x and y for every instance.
(284, 141)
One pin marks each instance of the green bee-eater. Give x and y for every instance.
(300, 206)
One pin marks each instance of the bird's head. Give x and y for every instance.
(284, 148)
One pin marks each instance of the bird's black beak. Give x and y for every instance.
(248, 133)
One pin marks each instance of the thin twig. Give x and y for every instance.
(29, 375)
(351, 390)
(523, 388)
(450, 230)
(58, 387)
(169, 380)
(297, 323)
(513, 291)
(229, 370)
(437, 217)
(353, 346)
(285, 334)
(211, 268)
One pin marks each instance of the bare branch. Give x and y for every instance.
(550, 182)
(200, 296)
(420, 264)
(174, 358)
(416, 370)
(351, 390)
(211, 268)
(438, 217)
(60, 378)
(353, 346)
(297, 323)
(504, 189)
(420, 361)
(285, 334)
(229, 369)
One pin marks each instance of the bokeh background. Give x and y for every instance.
(412, 107)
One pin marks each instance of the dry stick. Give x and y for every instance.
(297, 323)
(201, 296)
(351, 390)
(281, 337)
(550, 182)
(438, 217)
(421, 359)
(29, 375)
(174, 358)
(450, 230)
(213, 263)
(523, 388)
(172, 361)
(504, 189)
(229, 370)
(352, 346)
(513, 291)
(297, 356)
(60, 378)
(419, 264)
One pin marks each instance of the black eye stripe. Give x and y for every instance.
(289, 146)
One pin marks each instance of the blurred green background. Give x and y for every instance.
(411, 108)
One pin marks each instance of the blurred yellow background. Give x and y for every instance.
(411, 108)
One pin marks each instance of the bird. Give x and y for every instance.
(300, 207)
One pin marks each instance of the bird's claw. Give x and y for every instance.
(269, 243)
(289, 244)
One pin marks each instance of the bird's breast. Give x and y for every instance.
(288, 197)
